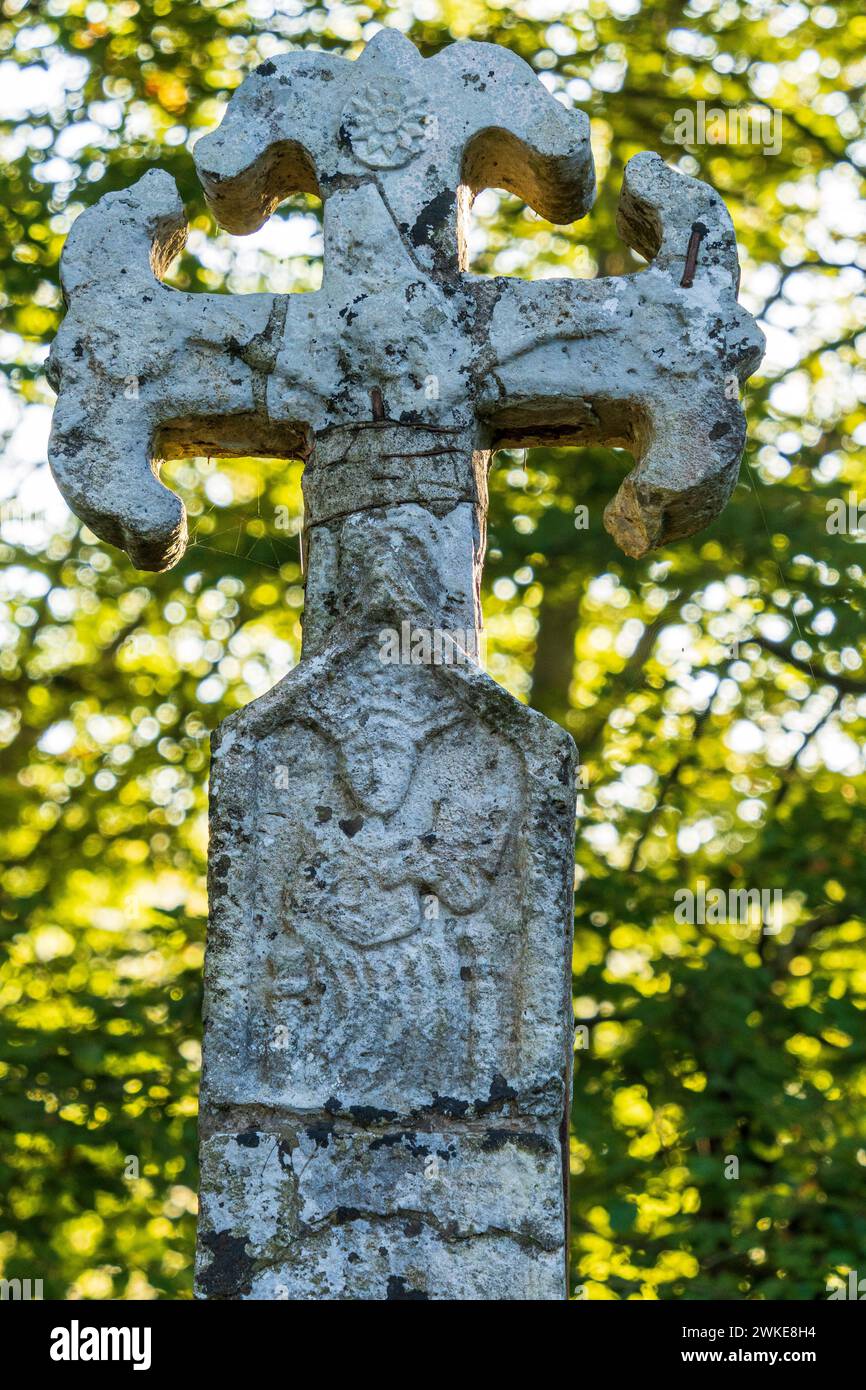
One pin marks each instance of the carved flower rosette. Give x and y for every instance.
(386, 125)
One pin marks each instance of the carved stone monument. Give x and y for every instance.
(388, 1043)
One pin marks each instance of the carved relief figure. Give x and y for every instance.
(412, 805)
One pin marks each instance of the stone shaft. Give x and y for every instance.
(388, 1022)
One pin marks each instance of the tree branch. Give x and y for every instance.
(848, 685)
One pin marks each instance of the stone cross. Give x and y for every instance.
(388, 1040)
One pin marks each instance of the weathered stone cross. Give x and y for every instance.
(388, 1024)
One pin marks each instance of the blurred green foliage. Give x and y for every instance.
(717, 691)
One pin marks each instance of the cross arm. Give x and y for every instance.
(650, 362)
(144, 372)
